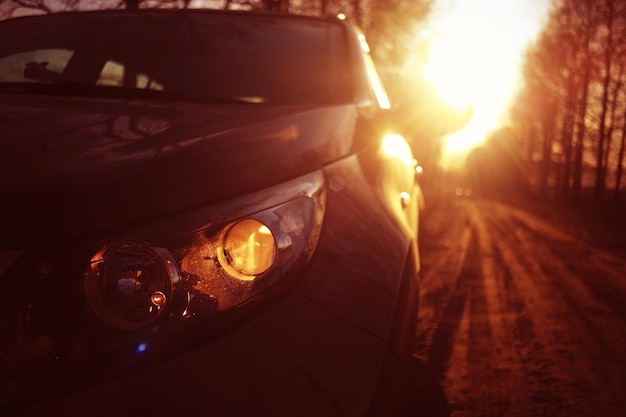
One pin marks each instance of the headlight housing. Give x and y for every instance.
(129, 284)
(84, 310)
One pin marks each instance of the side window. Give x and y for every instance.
(43, 65)
(114, 75)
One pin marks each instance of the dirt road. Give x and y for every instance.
(519, 318)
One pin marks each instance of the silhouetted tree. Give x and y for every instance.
(575, 95)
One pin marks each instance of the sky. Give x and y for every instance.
(475, 57)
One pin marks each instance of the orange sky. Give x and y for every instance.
(476, 49)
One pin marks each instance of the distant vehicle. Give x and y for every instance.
(203, 214)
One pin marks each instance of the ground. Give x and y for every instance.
(523, 311)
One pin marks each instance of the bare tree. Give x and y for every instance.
(575, 87)
(606, 40)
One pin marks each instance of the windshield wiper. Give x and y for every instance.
(73, 88)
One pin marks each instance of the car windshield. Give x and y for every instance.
(199, 56)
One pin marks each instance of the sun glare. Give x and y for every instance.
(468, 66)
(454, 68)
(473, 60)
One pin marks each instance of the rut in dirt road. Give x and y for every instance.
(518, 318)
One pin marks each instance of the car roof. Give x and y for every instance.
(339, 18)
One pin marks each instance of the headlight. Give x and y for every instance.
(247, 249)
(129, 285)
(88, 309)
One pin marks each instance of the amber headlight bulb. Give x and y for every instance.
(247, 250)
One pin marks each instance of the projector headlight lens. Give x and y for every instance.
(248, 249)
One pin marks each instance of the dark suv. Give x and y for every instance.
(203, 213)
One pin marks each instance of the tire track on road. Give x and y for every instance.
(528, 331)
(519, 318)
(470, 343)
(575, 329)
(496, 373)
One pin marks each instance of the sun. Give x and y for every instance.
(469, 66)
(453, 67)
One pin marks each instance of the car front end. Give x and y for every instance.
(191, 256)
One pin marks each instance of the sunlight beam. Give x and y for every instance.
(474, 57)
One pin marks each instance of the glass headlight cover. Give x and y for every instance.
(229, 264)
(118, 300)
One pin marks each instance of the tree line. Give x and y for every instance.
(569, 120)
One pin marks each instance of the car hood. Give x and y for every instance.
(75, 166)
